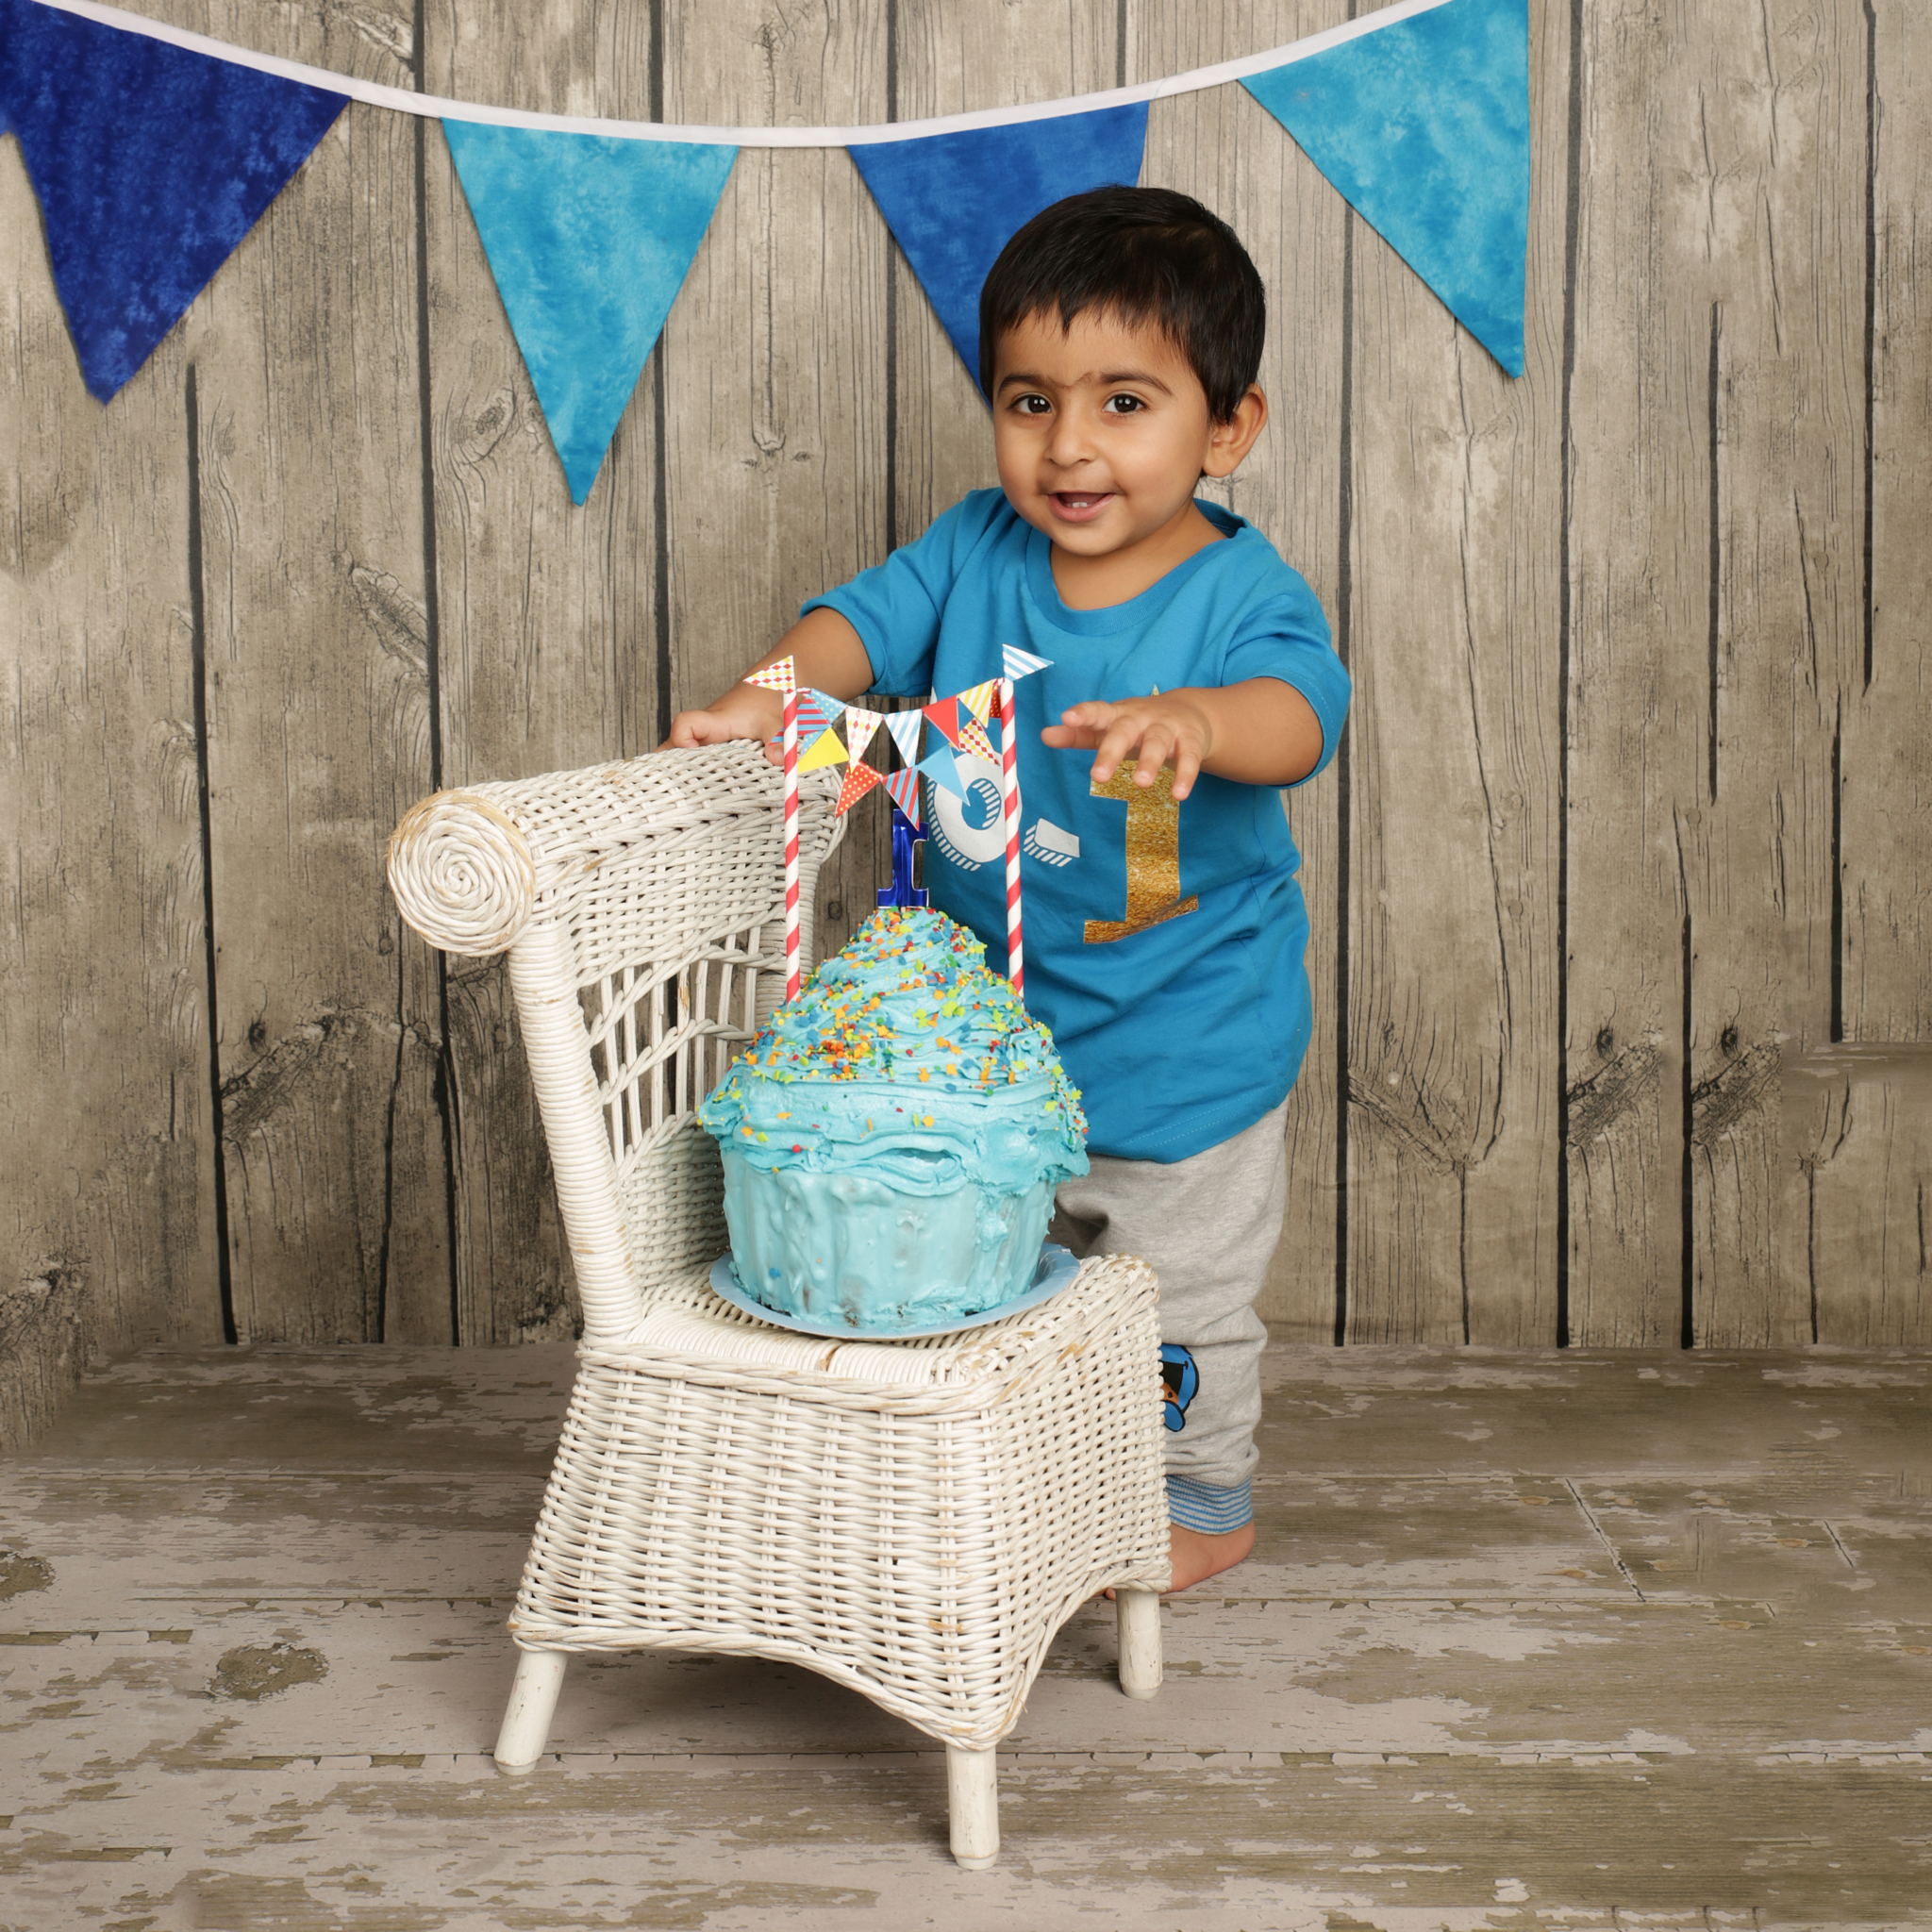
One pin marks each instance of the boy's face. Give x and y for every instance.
(1101, 433)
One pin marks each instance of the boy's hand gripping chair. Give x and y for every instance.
(914, 1519)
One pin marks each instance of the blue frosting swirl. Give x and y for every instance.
(904, 1058)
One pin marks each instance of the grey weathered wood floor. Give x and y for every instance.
(1531, 1640)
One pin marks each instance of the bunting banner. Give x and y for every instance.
(860, 727)
(588, 240)
(953, 201)
(860, 779)
(151, 163)
(154, 151)
(904, 725)
(942, 768)
(779, 677)
(1425, 131)
(825, 749)
(943, 716)
(902, 787)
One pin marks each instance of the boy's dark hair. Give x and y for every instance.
(1149, 255)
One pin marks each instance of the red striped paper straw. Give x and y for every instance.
(791, 843)
(1009, 775)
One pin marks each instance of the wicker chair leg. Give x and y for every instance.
(1138, 1613)
(972, 1798)
(532, 1702)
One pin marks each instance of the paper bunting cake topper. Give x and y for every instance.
(858, 781)
(1021, 663)
(860, 727)
(981, 699)
(902, 787)
(778, 677)
(825, 749)
(904, 725)
(975, 744)
(816, 711)
(942, 768)
(943, 716)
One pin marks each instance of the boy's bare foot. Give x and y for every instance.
(1195, 1556)
(1198, 1556)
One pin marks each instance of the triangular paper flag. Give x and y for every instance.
(151, 163)
(902, 787)
(953, 201)
(1424, 127)
(589, 238)
(973, 742)
(1021, 663)
(940, 766)
(778, 677)
(858, 781)
(944, 718)
(860, 727)
(981, 699)
(815, 712)
(904, 725)
(825, 750)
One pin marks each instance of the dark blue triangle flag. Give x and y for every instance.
(151, 163)
(1424, 127)
(953, 201)
(589, 238)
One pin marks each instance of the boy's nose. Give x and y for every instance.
(1068, 442)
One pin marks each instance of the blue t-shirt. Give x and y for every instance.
(1163, 944)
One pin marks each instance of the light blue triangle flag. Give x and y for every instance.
(1424, 126)
(904, 725)
(953, 201)
(940, 767)
(589, 238)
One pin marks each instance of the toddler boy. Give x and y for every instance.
(1120, 335)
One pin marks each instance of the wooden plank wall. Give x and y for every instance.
(1617, 888)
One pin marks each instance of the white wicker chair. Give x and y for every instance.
(915, 1519)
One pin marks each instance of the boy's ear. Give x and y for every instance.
(1230, 443)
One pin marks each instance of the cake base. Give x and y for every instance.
(1056, 1271)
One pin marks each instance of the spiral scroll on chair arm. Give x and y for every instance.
(462, 874)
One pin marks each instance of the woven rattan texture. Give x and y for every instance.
(649, 896)
(914, 1520)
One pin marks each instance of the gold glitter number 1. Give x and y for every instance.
(1153, 855)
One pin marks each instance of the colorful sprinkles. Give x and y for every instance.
(909, 1002)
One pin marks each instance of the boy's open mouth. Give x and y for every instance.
(1078, 506)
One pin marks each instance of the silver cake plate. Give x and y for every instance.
(1055, 1270)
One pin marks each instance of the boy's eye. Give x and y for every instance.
(1124, 405)
(1032, 405)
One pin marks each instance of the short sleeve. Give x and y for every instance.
(896, 605)
(1287, 637)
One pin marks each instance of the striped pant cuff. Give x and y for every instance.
(1206, 1507)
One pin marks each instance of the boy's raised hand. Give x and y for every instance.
(1171, 728)
(1261, 731)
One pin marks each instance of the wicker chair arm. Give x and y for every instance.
(469, 867)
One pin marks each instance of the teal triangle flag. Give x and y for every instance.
(1424, 126)
(589, 238)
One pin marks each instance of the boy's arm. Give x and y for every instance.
(829, 657)
(1261, 731)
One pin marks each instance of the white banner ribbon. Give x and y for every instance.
(375, 94)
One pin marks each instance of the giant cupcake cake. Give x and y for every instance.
(893, 1139)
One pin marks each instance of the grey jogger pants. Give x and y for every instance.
(1207, 1226)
